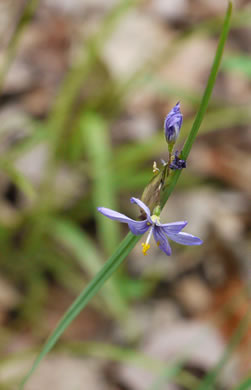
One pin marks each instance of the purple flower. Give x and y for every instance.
(177, 163)
(173, 124)
(152, 223)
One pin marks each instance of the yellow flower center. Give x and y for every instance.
(145, 247)
(155, 218)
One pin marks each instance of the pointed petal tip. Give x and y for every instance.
(185, 239)
(197, 241)
(166, 250)
(103, 210)
(143, 206)
(173, 227)
(176, 108)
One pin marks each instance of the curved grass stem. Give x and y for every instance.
(130, 240)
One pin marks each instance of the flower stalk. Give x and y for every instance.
(152, 224)
(126, 245)
(153, 192)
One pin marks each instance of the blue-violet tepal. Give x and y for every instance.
(173, 124)
(152, 223)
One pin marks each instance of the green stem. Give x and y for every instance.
(130, 240)
(204, 103)
(27, 14)
(208, 382)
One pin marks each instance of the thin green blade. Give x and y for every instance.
(130, 240)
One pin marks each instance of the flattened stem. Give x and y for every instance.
(128, 243)
(203, 105)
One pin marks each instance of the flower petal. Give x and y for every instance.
(185, 239)
(136, 227)
(142, 206)
(114, 215)
(173, 227)
(162, 240)
(173, 123)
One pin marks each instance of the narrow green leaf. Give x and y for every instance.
(128, 156)
(171, 371)
(208, 382)
(22, 183)
(80, 71)
(71, 87)
(245, 385)
(89, 258)
(98, 150)
(164, 371)
(239, 63)
(130, 240)
(69, 235)
(28, 12)
(204, 102)
(94, 286)
(117, 353)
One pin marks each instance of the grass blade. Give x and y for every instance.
(130, 240)
(80, 71)
(87, 255)
(109, 268)
(27, 15)
(245, 385)
(98, 150)
(210, 379)
(204, 102)
(210, 84)
(22, 183)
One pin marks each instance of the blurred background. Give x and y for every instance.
(85, 86)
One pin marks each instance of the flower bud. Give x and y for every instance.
(151, 193)
(173, 124)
